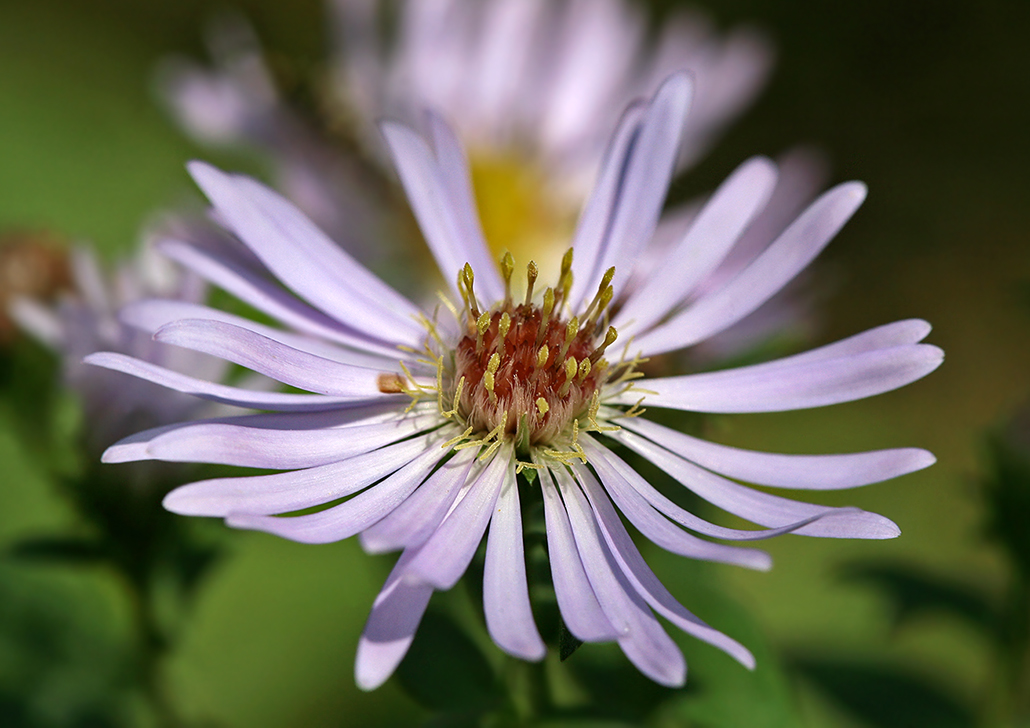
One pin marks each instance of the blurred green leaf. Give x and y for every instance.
(616, 689)
(444, 670)
(471, 719)
(71, 550)
(62, 664)
(720, 691)
(913, 593)
(568, 643)
(1006, 492)
(883, 695)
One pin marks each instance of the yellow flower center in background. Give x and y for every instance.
(520, 211)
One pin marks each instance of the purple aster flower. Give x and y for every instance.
(430, 426)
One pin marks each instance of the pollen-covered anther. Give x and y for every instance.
(542, 355)
(391, 384)
(609, 339)
(531, 275)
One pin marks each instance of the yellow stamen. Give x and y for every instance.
(507, 266)
(601, 300)
(503, 327)
(565, 277)
(609, 339)
(531, 274)
(470, 278)
(571, 367)
(571, 329)
(545, 314)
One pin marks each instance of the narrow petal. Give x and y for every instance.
(787, 256)
(809, 472)
(625, 486)
(225, 394)
(899, 333)
(351, 516)
(580, 610)
(657, 528)
(415, 520)
(708, 240)
(641, 637)
(759, 507)
(441, 197)
(648, 170)
(391, 626)
(509, 617)
(282, 449)
(303, 257)
(471, 244)
(643, 579)
(135, 447)
(273, 300)
(153, 314)
(765, 388)
(295, 489)
(595, 220)
(271, 358)
(444, 557)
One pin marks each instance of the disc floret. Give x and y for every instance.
(528, 371)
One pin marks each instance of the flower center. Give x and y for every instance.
(526, 370)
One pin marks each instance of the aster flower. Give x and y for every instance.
(423, 430)
(535, 87)
(84, 319)
(541, 80)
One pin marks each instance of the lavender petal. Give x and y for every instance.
(641, 637)
(643, 579)
(708, 240)
(446, 555)
(509, 617)
(765, 388)
(391, 626)
(295, 489)
(351, 516)
(415, 520)
(787, 256)
(759, 507)
(580, 610)
(225, 394)
(809, 472)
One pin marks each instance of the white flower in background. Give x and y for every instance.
(540, 82)
(85, 319)
(429, 427)
(534, 87)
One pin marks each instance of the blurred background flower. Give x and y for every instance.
(920, 100)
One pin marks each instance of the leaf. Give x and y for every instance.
(915, 593)
(568, 643)
(444, 670)
(616, 689)
(1007, 497)
(60, 549)
(883, 695)
(720, 691)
